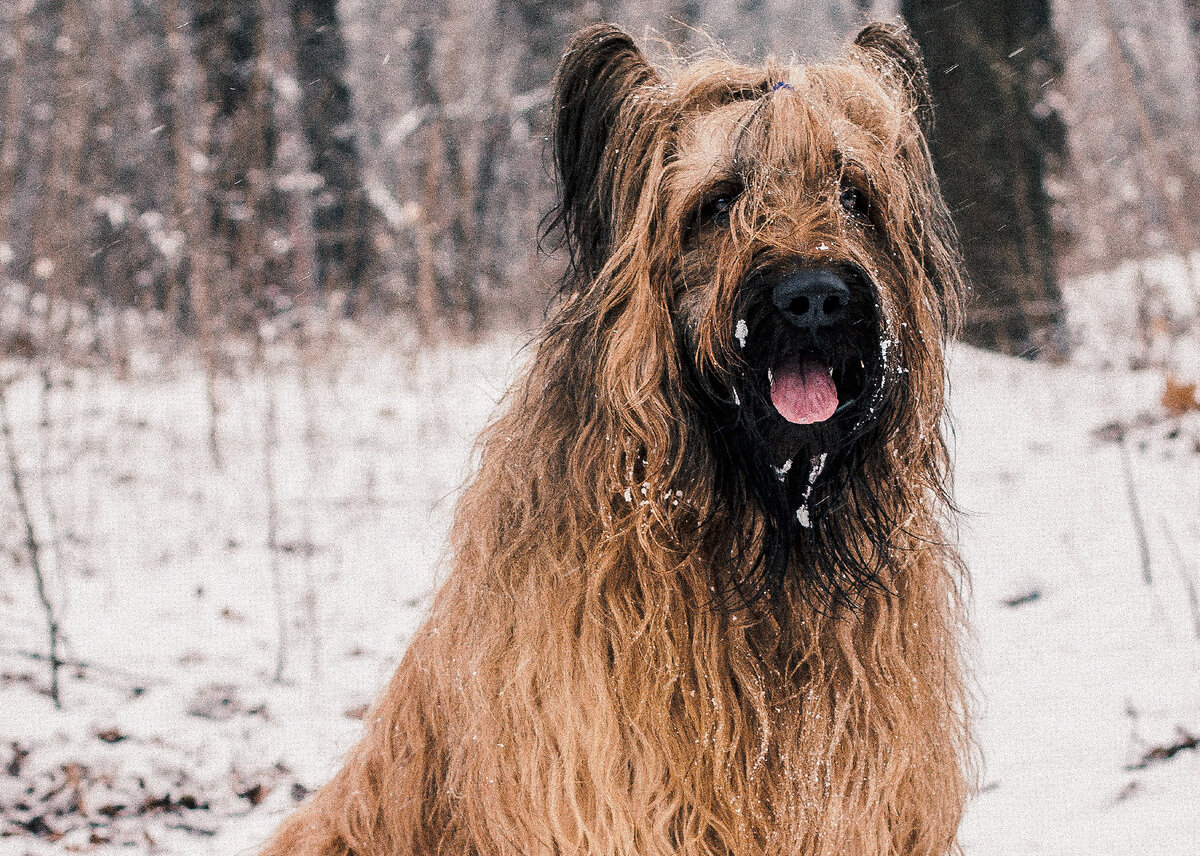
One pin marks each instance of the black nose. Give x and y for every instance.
(812, 299)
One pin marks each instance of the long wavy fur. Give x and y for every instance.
(585, 683)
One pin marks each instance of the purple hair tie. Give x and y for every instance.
(782, 84)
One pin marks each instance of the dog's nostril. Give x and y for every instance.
(832, 305)
(799, 306)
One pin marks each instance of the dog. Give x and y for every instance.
(704, 597)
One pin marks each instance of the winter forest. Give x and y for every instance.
(267, 267)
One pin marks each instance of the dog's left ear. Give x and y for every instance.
(600, 70)
(891, 50)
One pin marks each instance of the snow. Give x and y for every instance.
(814, 472)
(159, 565)
(165, 592)
(1078, 683)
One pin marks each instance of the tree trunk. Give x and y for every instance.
(10, 131)
(993, 141)
(344, 221)
(1193, 14)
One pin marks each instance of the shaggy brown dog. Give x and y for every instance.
(701, 599)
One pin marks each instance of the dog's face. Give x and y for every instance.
(787, 222)
(776, 293)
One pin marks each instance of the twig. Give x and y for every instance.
(1186, 574)
(1135, 510)
(45, 426)
(1158, 754)
(307, 541)
(31, 544)
(74, 663)
(270, 444)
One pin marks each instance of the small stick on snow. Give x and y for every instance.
(1187, 574)
(1135, 510)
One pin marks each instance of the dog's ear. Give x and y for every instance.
(891, 50)
(599, 71)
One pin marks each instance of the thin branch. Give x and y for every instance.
(46, 428)
(88, 665)
(1187, 574)
(1135, 510)
(32, 546)
(271, 490)
(307, 541)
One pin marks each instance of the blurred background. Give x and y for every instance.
(215, 164)
(266, 267)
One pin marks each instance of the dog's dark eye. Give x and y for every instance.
(853, 201)
(716, 209)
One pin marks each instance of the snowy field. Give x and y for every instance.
(167, 571)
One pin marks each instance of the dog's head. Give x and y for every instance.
(765, 250)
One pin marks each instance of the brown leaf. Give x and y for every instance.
(255, 793)
(1179, 397)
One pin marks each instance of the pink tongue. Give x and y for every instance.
(803, 392)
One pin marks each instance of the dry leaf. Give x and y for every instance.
(1179, 397)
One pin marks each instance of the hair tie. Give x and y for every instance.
(783, 84)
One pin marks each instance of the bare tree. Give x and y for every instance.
(189, 134)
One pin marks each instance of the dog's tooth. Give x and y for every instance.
(741, 332)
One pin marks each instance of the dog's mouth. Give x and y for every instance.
(820, 317)
(808, 388)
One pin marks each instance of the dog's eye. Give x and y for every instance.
(853, 201)
(716, 209)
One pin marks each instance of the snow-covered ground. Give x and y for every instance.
(174, 737)
(1083, 670)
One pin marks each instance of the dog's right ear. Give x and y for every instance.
(599, 71)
